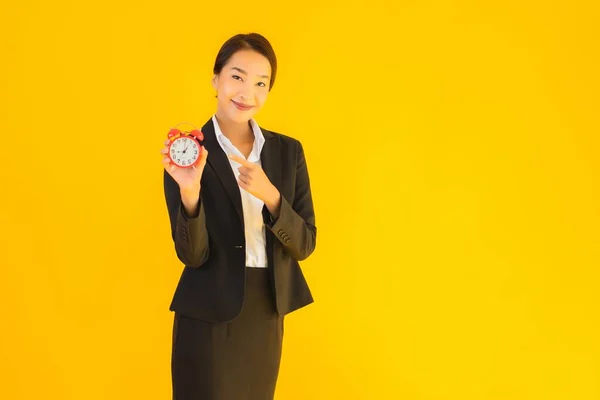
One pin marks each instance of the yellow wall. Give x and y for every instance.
(453, 150)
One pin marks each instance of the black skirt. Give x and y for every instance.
(237, 360)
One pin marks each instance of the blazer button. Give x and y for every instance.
(238, 246)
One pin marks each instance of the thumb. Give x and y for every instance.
(203, 157)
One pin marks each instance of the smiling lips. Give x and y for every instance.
(241, 107)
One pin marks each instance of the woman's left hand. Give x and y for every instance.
(254, 180)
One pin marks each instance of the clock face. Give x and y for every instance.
(184, 151)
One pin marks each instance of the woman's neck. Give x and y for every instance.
(234, 131)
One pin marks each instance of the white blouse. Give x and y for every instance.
(256, 253)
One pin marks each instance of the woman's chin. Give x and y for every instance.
(241, 116)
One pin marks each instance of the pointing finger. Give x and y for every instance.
(241, 161)
(244, 170)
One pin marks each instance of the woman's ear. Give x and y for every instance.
(214, 81)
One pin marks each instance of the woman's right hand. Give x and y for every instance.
(188, 179)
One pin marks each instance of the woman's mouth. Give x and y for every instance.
(240, 106)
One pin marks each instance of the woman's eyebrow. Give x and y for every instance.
(245, 73)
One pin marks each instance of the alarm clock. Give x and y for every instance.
(185, 147)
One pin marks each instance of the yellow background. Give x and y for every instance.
(453, 152)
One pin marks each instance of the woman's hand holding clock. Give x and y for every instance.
(188, 179)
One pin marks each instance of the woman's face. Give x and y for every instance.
(242, 86)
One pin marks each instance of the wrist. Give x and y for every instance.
(191, 192)
(190, 201)
(273, 198)
(274, 202)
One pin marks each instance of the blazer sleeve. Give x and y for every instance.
(189, 233)
(295, 227)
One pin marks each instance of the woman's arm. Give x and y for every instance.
(295, 225)
(188, 223)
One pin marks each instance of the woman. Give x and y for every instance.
(240, 221)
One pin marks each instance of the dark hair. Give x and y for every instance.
(247, 41)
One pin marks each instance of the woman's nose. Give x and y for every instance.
(246, 96)
(247, 91)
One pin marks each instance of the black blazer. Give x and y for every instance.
(211, 244)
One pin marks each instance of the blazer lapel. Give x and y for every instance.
(220, 164)
(269, 159)
(271, 164)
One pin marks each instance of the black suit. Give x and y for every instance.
(211, 244)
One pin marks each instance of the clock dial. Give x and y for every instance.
(184, 151)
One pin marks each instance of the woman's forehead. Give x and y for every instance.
(250, 62)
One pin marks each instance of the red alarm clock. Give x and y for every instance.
(185, 147)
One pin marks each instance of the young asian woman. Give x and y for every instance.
(241, 221)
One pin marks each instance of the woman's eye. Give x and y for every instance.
(261, 84)
(236, 77)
